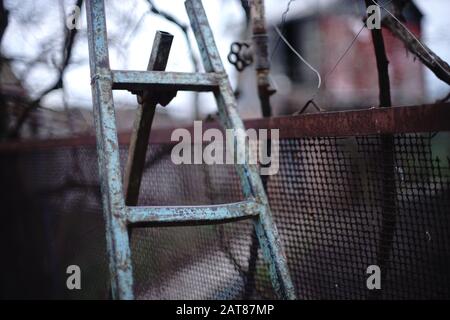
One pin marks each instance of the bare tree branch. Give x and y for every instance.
(388, 208)
(181, 25)
(3, 25)
(382, 65)
(3, 19)
(438, 66)
(58, 84)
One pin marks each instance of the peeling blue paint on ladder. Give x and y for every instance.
(118, 216)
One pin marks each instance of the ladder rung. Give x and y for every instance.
(194, 214)
(139, 80)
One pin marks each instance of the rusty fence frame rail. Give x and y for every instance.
(395, 120)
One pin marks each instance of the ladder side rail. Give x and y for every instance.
(224, 95)
(108, 153)
(266, 230)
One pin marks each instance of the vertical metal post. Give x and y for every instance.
(108, 153)
(250, 180)
(261, 56)
(265, 91)
(389, 196)
(143, 121)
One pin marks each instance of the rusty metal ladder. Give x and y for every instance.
(156, 86)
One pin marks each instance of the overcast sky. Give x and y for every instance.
(226, 19)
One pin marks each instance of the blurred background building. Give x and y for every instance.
(325, 32)
(35, 37)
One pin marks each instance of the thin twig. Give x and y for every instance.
(184, 28)
(58, 84)
(430, 59)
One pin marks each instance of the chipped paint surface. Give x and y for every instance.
(108, 154)
(119, 217)
(166, 80)
(194, 214)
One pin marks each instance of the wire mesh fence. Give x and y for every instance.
(340, 204)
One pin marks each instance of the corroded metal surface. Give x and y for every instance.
(395, 120)
(131, 80)
(364, 122)
(261, 55)
(108, 154)
(194, 214)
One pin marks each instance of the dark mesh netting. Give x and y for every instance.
(340, 204)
